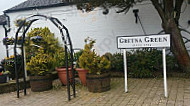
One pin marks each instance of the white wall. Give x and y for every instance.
(2, 47)
(103, 28)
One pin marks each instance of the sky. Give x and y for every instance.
(6, 4)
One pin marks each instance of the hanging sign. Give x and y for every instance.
(128, 42)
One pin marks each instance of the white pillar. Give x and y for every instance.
(164, 71)
(125, 68)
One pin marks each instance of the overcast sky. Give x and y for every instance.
(6, 4)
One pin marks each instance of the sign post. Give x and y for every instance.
(164, 69)
(150, 41)
(125, 68)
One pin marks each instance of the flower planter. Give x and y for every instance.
(82, 75)
(8, 41)
(98, 83)
(4, 78)
(62, 73)
(4, 42)
(40, 83)
(19, 42)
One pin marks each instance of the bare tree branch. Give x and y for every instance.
(184, 30)
(159, 9)
(162, 31)
(187, 40)
(177, 9)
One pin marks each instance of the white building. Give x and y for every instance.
(103, 28)
(2, 35)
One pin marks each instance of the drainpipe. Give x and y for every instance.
(7, 30)
(7, 51)
(8, 21)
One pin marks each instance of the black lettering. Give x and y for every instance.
(156, 39)
(146, 39)
(165, 39)
(136, 41)
(160, 39)
(151, 39)
(121, 40)
(140, 40)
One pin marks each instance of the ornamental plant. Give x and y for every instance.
(19, 22)
(47, 41)
(60, 58)
(43, 52)
(91, 61)
(4, 73)
(19, 41)
(8, 64)
(76, 58)
(117, 62)
(8, 41)
(41, 64)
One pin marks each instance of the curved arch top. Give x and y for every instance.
(67, 45)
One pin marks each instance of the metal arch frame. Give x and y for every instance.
(66, 40)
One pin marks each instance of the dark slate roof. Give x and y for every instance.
(38, 4)
(2, 20)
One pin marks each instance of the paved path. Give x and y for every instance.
(142, 92)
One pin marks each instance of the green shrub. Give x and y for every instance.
(76, 58)
(91, 61)
(46, 48)
(171, 63)
(143, 63)
(41, 64)
(9, 65)
(48, 42)
(117, 62)
(60, 58)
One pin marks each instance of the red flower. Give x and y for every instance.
(1, 73)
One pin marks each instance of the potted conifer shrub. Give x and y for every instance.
(39, 68)
(81, 71)
(98, 77)
(41, 46)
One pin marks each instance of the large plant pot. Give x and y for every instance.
(40, 83)
(62, 73)
(98, 83)
(82, 75)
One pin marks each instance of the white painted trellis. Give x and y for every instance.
(148, 41)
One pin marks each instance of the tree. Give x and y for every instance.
(169, 12)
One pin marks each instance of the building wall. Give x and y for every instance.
(2, 47)
(103, 28)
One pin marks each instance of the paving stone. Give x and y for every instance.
(142, 92)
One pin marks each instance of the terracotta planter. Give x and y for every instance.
(82, 75)
(98, 83)
(40, 83)
(62, 73)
